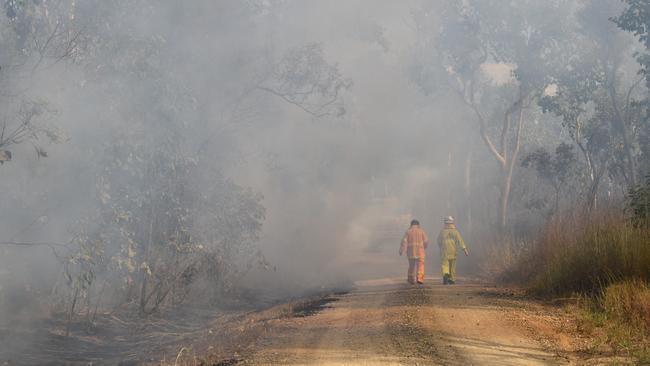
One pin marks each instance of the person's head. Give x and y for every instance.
(449, 221)
(415, 222)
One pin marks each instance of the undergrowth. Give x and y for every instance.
(602, 260)
(583, 254)
(621, 313)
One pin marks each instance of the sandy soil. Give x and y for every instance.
(388, 322)
(379, 322)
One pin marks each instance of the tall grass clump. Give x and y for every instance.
(579, 253)
(628, 302)
(601, 259)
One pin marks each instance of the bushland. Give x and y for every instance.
(599, 258)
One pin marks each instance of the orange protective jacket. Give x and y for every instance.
(415, 241)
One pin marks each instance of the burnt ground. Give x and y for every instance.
(381, 322)
(122, 339)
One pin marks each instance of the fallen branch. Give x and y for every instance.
(34, 244)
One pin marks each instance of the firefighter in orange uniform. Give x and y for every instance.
(414, 243)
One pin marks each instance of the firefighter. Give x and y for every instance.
(448, 239)
(414, 243)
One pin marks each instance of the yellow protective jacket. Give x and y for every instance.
(448, 238)
(414, 242)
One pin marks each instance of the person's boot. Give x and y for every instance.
(451, 282)
(445, 279)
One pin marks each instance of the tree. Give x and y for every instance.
(525, 37)
(598, 99)
(305, 79)
(167, 218)
(27, 127)
(638, 203)
(577, 101)
(38, 35)
(555, 169)
(635, 18)
(592, 136)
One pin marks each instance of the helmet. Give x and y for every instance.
(449, 220)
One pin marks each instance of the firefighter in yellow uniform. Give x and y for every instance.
(414, 243)
(448, 239)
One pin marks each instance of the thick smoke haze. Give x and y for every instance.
(206, 149)
(327, 181)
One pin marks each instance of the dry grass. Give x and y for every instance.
(601, 259)
(584, 254)
(620, 318)
(499, 256)
(628, 302)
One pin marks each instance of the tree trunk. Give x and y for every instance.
(503, 200)
(449, 184)
(508, 169)
(143, 292)
(505, 160)
(146, 269)
(621, 124)
(468, 185)
(592, 195)
(71, 313)
(631, 159)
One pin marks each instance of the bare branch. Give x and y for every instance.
(34, 244)
(482, 128)
(42, 51)
(287, 99)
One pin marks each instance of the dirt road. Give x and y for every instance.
(387, 322)
(380, 322)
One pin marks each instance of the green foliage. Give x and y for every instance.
(638, 204)
(636, 19)
(556, 169)
(599, 101)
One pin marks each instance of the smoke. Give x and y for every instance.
(144, 72)
(337, 118)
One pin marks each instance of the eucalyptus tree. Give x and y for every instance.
(598, 96)
(635, 18)
(556, 168)
(524, 37)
